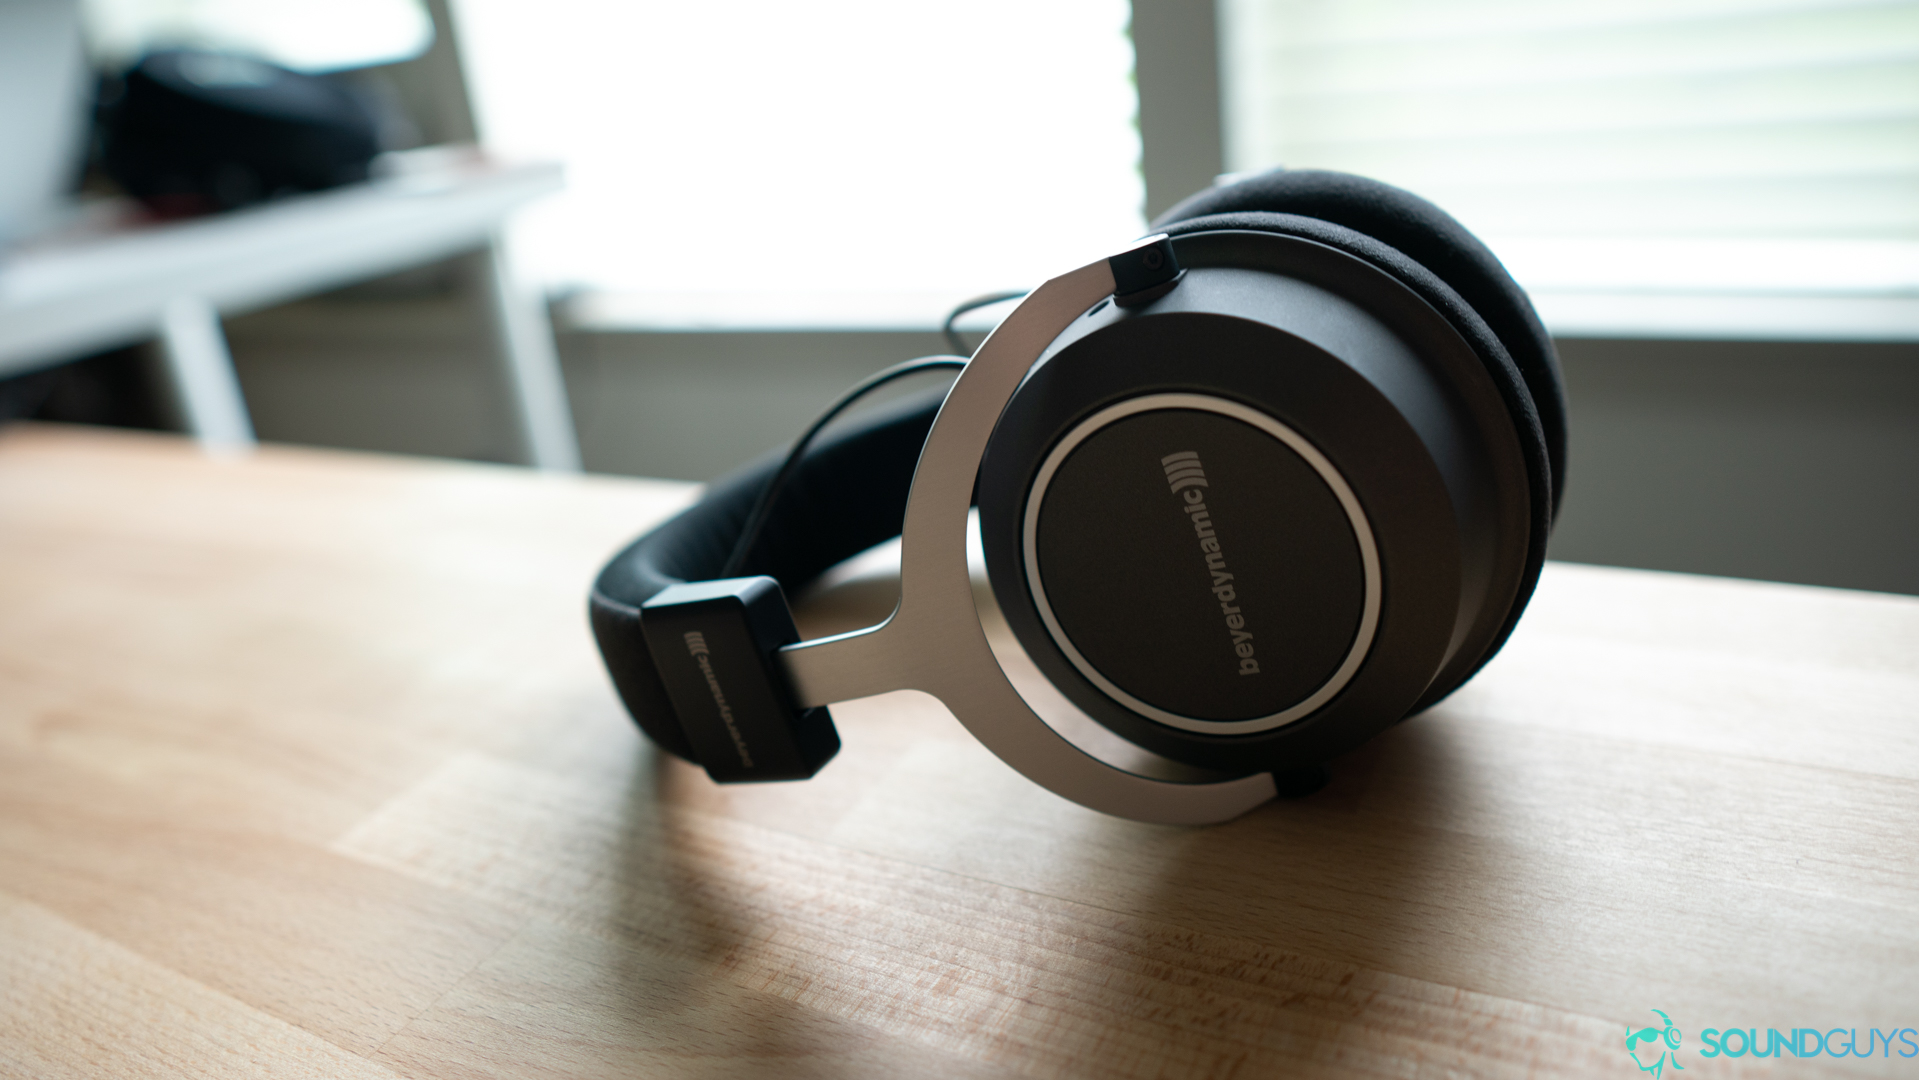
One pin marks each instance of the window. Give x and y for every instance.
(1673, 167)
(843, 163)
(305, 35)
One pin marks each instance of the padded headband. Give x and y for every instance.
(848, 493)
(1409, 227)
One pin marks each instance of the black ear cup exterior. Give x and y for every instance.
(1447, 267)
(1402, 223)
(1253, 523)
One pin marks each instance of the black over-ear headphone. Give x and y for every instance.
(1250, 492)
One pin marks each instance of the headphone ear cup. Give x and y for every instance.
(1429, 237)
(1485, 343)
(1385, 226)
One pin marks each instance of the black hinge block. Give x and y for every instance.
(716, 645)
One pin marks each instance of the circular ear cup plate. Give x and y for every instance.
(1202, 563)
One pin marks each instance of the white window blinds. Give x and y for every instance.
(1714, 147)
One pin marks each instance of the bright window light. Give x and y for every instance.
(1734, 148)
(837, 163)
(306, 35)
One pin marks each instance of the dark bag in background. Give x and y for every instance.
(191, 131)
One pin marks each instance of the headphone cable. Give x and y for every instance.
(952, 336)
(764, 504)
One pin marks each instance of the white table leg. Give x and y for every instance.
(195, 351)
(531, 364)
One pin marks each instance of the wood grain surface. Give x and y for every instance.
(308, 768)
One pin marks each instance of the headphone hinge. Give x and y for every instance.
(716, 646)
(1145, 272)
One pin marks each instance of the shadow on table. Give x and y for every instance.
(1123, 949)
(960, 906)
(728, 942)
(679, 1015)
(1360, 871)
(1282, 938)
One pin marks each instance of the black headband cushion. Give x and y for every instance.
(847, 494)
(1408, 226)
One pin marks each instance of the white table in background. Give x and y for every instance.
(99, 287)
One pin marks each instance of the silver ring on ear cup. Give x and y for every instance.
(1355, 517)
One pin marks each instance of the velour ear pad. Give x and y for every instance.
(1543, 469)
(1406, 225)
(848, 493)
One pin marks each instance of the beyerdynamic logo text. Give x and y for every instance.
(696, 646)
(1186, 476)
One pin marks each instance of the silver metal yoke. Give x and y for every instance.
(934, 641)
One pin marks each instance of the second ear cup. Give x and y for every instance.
(1403, 224)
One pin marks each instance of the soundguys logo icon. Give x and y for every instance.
(1665, 1041)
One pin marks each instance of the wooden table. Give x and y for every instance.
(308, 768)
